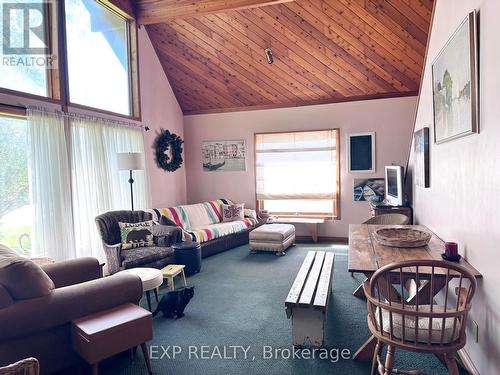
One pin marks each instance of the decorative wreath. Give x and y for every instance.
(163, 142)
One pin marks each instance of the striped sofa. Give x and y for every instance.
(202, 222)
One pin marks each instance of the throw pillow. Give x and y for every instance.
(166, 221)
(166, 235)
(136, 234)
(233, 212)
(250, 213)
(22, 278)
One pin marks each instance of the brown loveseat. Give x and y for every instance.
(37, 305)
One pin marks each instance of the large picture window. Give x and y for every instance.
(23, 66)
(297, 173)
(98, 57)
(15, 203)
(47, 182)
(80, 53)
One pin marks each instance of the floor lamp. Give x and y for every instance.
(131, 161)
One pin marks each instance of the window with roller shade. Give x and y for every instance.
(297, 173)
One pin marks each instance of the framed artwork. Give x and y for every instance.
(224, 156)
(369, 189)
(454, 84)
(421, 157)
(361, 152)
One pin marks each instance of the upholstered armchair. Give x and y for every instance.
(157, 256)
(37, 305)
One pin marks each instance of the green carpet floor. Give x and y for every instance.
(239, 301)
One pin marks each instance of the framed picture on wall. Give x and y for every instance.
(369, 189)
(361, 152)
(421, 157)
(454, 84)
(224, 156)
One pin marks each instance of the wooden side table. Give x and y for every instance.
(311, 224)
(171, 271)
(106, 333)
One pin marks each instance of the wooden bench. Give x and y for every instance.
(307, 301)
(311, 224)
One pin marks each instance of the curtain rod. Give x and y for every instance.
(12, 111)
(82, 116)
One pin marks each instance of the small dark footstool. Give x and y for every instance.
(101, 335)
(189, 254)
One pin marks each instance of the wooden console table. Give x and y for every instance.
(366, 256)
(311, 224)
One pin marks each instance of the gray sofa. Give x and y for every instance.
(157, 256)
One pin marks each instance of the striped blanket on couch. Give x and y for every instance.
(202, 222)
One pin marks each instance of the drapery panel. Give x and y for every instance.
(98, 185)
(296, 165)
(50, 185)
(74, 177)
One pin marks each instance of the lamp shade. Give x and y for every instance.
(129, 161)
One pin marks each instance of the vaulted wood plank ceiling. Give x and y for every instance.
(324, 50)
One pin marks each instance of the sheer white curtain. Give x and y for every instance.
(98, 185)
(50, 183)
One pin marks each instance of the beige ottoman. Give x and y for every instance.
(272, 237)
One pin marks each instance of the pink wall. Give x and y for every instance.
(462, 202)
(391, 119)
(159, 110)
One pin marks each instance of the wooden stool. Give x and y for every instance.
(106, 333)
(171, 271)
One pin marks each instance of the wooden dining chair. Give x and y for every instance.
(401, 316)
(389, 219)
(28, 366)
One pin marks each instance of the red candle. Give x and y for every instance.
(451, 249)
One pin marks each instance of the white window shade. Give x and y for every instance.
(297, 165)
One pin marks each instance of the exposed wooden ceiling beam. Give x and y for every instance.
(123, 7)
(159, 11)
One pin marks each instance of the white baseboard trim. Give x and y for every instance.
(467, 362)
